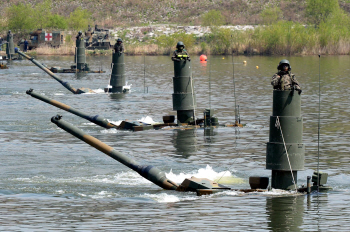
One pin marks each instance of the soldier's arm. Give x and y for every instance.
(295, 82)
(174, 57)
(188, 56)
(275, 80)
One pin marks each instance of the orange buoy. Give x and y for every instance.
(203, 58)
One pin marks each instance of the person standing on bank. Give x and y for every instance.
(25, 47)
(284, 79)
(118, 46)
(180, 53)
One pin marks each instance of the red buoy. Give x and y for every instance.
(203, 58)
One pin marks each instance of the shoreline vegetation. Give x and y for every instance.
(322, 27)
(281, 38)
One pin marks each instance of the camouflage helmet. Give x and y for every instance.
(119, 40)
(180, 44)
(282, 62)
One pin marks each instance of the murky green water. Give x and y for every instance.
(53, 181)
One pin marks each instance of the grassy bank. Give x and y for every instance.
(282, 38)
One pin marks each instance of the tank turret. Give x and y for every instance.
(202, 186)
(184, 101)
(64, 83)
(285, 150)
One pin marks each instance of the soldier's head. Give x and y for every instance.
(284, 66)
(119, 41)
(9, 31)
(80, 33)
(180, 45)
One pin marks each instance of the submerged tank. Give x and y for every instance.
(64, 83)
(98, 120)
(79, 59)
(153, 174)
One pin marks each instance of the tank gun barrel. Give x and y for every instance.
(149, 172)
(45, 69)
(94, 119)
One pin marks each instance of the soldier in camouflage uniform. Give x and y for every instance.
(118, 46)
(180, 53)
(79, 36)
(284, 79)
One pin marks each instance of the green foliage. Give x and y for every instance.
(57, 22)
(271, 15)
(79, 19)
(213, 18)
(169, 41)
(42, 13)
(19, 17)
(334, 29)
(283, 37)
(220, 40)
(319, 10)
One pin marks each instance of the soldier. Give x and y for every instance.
(180, 53)
(118, 46)
(284, 79)
(79, 36)
(25, 48)
(1, 43)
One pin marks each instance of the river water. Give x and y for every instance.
(50, 180)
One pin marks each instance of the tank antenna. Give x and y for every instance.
(234, 90)
(209, 84)
(144, 73)
(319, 118)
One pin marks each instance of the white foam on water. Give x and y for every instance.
(98, 91)
(169, 198)
(59, 94)
(109, 131)
(115, 122)
(89, 123)
(123, 178)
(146, 120)
(207, 172)
(103, 194)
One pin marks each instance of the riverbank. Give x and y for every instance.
(281, 38)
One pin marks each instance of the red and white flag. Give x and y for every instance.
(48, 36)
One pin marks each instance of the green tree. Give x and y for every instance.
(271, 15)
(57, 22)
(79, 19)
(213, 18)
(42, 13)
(319, 10)
(19, 17)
